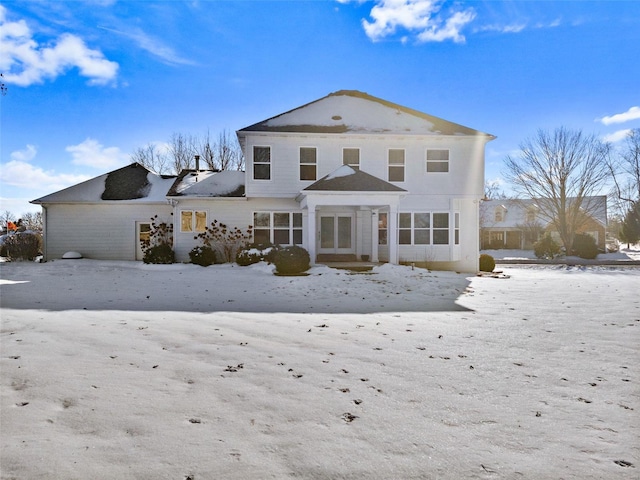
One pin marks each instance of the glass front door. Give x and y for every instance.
(336, 233)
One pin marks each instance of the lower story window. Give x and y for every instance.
(280, 228)
(193, 221)
(423, 228)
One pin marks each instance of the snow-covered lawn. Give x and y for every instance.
(119, 370)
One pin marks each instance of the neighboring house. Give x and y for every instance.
(347, 176)
(519, 223)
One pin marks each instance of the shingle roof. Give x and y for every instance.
(133, 182)
(351, 111)
(347, 179)
(207, 183)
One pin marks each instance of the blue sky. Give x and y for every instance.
(90, 81)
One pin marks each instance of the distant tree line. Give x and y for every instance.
(30, 220)
(221, 153)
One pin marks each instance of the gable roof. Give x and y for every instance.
(207, 183)
(351, 111)
(133, 182)
(347, 179)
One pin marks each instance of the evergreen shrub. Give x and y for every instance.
(162, 254)
(584, 246)
(487, 263)
(546, 247)
(293, 259)
(203, 256)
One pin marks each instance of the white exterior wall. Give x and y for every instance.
(105, 231)
(236, 212)
(458, 190)
(466, 162)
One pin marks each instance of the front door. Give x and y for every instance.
(336, 233)
(143, 229)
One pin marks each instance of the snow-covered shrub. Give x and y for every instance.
(546, 247)
(584, 246)
(292, 259)
(162, 254)
(203, 256)
(487, 263)
(22, 246)
(256, 252)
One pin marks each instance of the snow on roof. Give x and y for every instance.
(133, 182)
(350, 111)
(343, 171)
(348, 179)
(207, 183)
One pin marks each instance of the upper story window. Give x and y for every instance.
(437, 160)
(499, 214)
(261, 163)
(308, 163)
(531, 215)
(396, 165)
(193, 221)
(351, 157)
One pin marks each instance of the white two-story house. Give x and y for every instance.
(348, 177)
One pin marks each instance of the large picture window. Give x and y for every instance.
(423, 228)
(262, 163)
(193, 221)
(396, 165)
(280, 228)
(437, 161)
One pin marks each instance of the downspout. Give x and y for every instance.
(45, 257)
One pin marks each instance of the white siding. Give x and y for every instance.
(106, 231)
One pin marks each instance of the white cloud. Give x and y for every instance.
(94, 154)
(18, 172)
(152, 45)
(617, 136)
(25, 155)
(424, 18)
(24, 62)
(632, 114)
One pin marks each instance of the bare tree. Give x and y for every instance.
(625, 171)
(562, 170)
(182, 149)
(206, 151)
(5, 218)
(151, 157)
(32, 221)
(228, 152)
(492, 190)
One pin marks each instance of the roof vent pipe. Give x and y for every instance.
(197, 157)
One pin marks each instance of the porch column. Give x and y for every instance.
(392, 234)
(311, 233)
(374, 235)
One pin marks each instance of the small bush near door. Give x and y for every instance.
(293, 259)
(487, 263)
